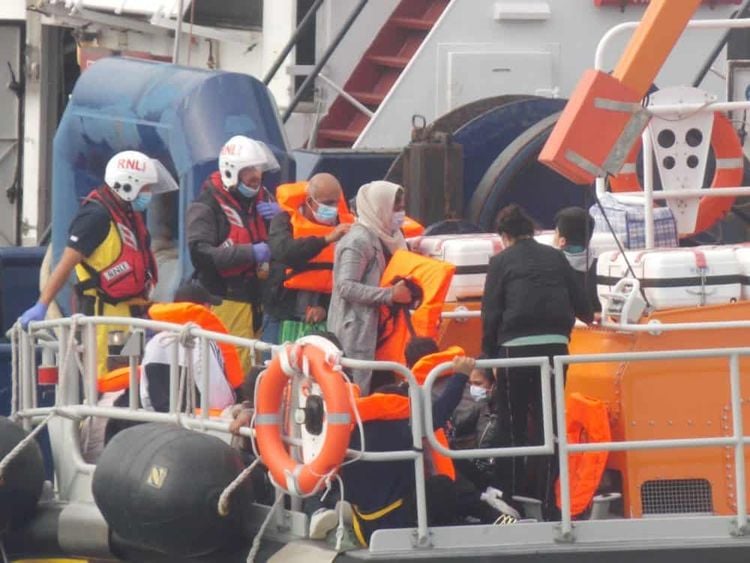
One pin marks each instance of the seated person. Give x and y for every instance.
(154, 387)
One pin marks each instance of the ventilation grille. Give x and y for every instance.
(676, 496)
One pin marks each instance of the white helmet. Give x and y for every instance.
(242, 152)
(128, 172)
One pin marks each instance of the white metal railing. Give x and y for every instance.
(68, 405)
(664, 109)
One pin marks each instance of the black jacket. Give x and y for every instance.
(288, 252)
(207, 229)
(531, 289)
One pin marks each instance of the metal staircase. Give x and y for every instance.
(377, 72)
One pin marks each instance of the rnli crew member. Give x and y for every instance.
(574, 228)
(110, 249)
(360, 259)
(531, 300)
(227, 234)
(302, 239)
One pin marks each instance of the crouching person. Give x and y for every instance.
(382, 494)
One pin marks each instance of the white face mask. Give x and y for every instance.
(478, 392)
(398, 220)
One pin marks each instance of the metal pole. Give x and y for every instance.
(178, 32)
(423, 538)
(204, 351)
(324, 59)
(739, 445)
(24, 384)
(741, 13)
(292, 42)
(174, 377)
(566, 527)
(90, 366)
(648, 188)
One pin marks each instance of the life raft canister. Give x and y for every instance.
(389, 406)
(317, 275)
(730, 170)
(182, 313)
(587, 421)
(297, 478)
(433, 277)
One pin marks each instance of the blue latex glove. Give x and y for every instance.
(262, 252)
(268, 209)
(35, 313)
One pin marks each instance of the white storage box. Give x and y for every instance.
(680, 277)
(743, 258)
(469, 253)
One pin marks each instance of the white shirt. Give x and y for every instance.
(159, 351)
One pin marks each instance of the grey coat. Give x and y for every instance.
(355, 303)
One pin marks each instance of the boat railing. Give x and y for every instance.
(78, 379)
(685, 109)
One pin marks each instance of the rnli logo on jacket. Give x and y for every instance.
(157, 476)
(232, 216)
(127, 236)
(117, 270)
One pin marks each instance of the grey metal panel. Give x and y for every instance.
(10, 58)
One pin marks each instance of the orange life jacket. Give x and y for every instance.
(587, 421)
(424, 365)
(434, 278)
(183, 313)
(244, 228)
(317, 275)
(411, 228)
(389, 406)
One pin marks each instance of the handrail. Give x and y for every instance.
(69, 406)
(323, 60)
(292, 43)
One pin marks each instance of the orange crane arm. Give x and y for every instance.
(602, 119)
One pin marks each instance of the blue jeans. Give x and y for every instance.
(270, 332)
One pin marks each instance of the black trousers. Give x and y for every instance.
(518, 400)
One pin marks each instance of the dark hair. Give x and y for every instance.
(489, 373)
(576, 225)
(514, 222)
(417, 348)
(246, 391)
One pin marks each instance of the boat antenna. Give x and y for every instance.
(742, 12)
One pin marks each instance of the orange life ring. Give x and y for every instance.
(297, 478)
(730, 169)
(587, 420)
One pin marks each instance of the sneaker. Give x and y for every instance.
(323, 521)
(505, 519)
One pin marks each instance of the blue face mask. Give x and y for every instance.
(141, 201)
(247, 191)
(398, 220)
(326, 214)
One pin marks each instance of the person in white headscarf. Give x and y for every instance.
(360, 259)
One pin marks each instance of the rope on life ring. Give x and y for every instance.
(730, 169)
(302, 479)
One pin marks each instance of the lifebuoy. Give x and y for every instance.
(297, 478)
(730, 169)
(587, 420)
